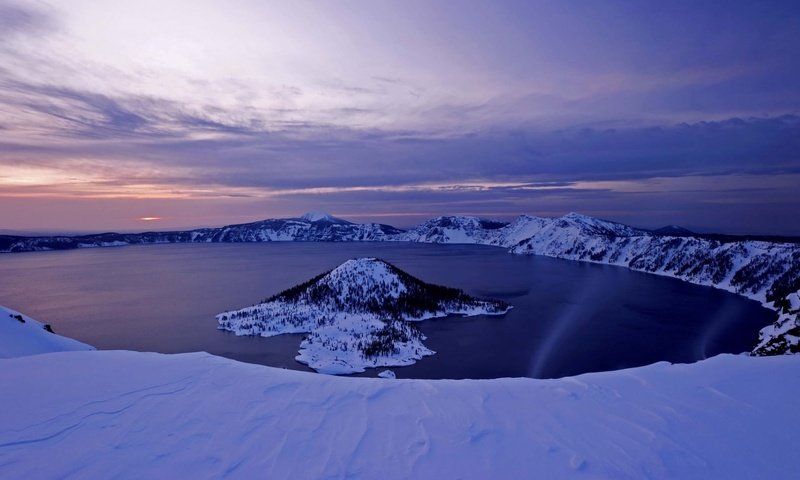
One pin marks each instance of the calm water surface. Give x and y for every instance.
(568, 317)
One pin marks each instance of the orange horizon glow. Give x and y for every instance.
(149, 219)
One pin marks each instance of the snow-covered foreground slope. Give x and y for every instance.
(21, 335)
(356, 316)
(143, 415)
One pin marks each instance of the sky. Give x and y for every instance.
(153, 115)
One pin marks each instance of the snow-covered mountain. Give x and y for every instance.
(20, 335)
(311, 227)
(453, 229)
(356, 316)
(763, 271)
(322, 217)
(474, 230)
(759, 270)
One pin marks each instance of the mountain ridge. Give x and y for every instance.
(320, 226)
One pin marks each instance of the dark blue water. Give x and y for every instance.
(568, 317)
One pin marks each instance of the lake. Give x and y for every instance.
(568, 317)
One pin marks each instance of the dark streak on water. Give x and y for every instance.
(568, 317)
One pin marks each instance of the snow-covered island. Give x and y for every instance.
(357, 316)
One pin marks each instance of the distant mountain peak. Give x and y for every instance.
(364, 277)
(579, 217)
(321, 217)
(592, 225)
(374, 285)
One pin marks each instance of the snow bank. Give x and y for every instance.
(21, 335)
(145, 415)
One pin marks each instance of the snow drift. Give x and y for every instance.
(144, 415)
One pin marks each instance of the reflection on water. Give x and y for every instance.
(568, 317)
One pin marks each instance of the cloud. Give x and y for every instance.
(17, 19)
(216, 147)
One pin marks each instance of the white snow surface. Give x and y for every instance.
(333, 348)
(30, 337)
(116, 414)
(794, 301)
